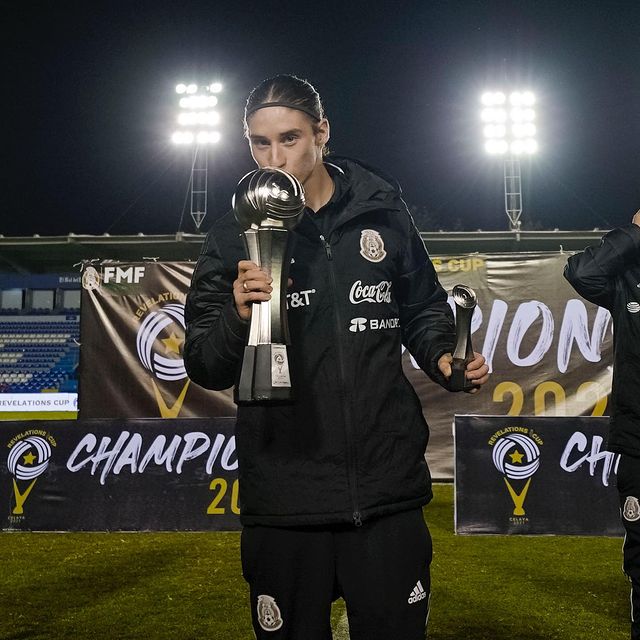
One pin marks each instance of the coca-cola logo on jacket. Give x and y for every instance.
(374, 293)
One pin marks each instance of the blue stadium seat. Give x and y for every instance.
(45, 350)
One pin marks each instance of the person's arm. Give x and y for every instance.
(217, 314)
(426, 318)
(592, 272)
(428, 329)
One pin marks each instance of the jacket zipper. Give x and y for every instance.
(351, 452)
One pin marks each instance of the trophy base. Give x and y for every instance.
(458, 380)
(264, 377)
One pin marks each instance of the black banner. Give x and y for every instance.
(126, 475)
(132, 333)
(549, 351)
(534, 475)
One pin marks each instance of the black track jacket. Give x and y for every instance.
(609, 275)
(352, 444)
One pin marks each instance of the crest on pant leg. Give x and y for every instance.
(269, 616)
(631, 509)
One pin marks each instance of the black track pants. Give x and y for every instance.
(629, 492)
(381, 569)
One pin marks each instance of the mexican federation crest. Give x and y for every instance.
(631, 509)
(372, 246)
(268, 613)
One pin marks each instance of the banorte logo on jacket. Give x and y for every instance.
(372, 246)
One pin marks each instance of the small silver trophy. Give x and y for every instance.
(466, 300)
(268, 203)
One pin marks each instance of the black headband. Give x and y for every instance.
(289, 105)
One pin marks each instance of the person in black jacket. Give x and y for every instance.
(331, 485)
(609, 275)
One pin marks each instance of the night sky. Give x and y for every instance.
(89, 105)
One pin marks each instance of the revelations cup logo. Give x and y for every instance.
(159, 342)
(517, 456)
(28, 459)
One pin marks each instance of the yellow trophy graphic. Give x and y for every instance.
(158, 343)
(28, 459)
(517, 457)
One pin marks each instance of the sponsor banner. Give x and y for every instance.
(105, 475)
(549, 351)
(132, 332)
(534, 475)
(38, 402)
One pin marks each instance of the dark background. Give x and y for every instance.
(89, 105)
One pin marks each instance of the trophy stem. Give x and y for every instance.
(264, 376)
(463, 352)
(268, 204)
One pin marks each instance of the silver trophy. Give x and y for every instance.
(466, 300)
(268, 203)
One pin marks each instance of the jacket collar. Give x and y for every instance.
(361, 189)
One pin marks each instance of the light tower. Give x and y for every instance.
(510, 131)
(198, 127)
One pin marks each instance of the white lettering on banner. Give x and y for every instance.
(574, 328)
(374, 293)
(38, 401)
(132, 275)
(494, 328)
(526, 315)
(579, 442)
(127, 452)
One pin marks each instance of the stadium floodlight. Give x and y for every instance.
(509, 131)
(198, 128)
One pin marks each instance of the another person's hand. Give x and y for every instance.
(477, 369)
(636, 218)
(252, 285)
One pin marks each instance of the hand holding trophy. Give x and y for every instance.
(466, 300)
(268, 203)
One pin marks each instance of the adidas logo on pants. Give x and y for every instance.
(417, 594)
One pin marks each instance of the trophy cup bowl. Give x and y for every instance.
(268, 203)
(465, 300)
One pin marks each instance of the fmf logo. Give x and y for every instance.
(131, 275)
(360, 324)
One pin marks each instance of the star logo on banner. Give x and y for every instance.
(516, 457)
(29, 458)
(172, 343)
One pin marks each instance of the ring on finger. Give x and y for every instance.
(244, 285)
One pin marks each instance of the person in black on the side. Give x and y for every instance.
(608, 275)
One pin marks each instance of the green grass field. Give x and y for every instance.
(185, 586)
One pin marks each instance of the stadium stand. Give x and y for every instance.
(39, 353)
